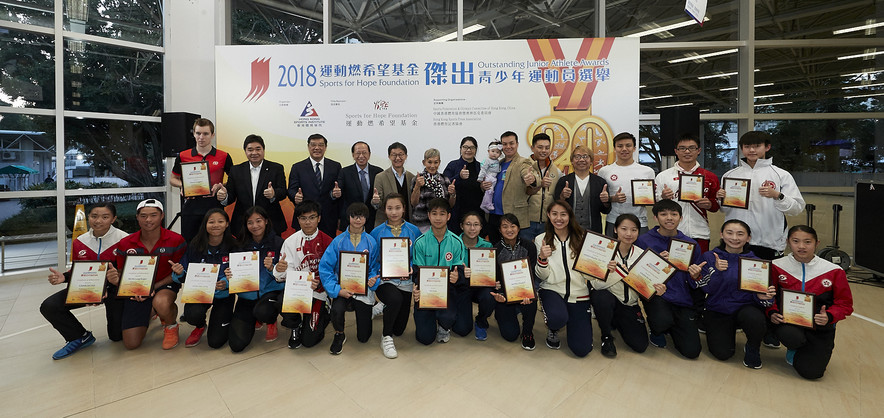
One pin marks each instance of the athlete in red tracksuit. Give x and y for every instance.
(810, 349)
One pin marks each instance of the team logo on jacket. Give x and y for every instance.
(131, 251)
(782, 277)
(449, 256)
(214, 163)
(769, 184)
(614, 177)
(271, 254)
(827, 283)
(81, 253)
(225, 259)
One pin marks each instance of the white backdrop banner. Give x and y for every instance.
(427, 95)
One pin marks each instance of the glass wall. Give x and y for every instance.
(101, 132)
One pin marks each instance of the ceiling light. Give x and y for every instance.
(659, 29)
(861, 86)
(720, 75)
(864, 95)
(756, 86)
(863, 55)
(674, 105)
(772, 104)
(767, 96)
(656, 97)
(858, 28)
(453, 35)
(699, 57)
(864, 72)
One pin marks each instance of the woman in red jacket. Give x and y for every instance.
(809, 350)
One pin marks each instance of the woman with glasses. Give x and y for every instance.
(464, 173)
(586, 192)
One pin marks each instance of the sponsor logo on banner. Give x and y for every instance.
(381, 105)
(309, 111)
(309, 117)
(260, 79)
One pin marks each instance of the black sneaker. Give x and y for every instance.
(752, 358)
(552, 339)
(608, 348)
(770, 340)
(528, 341)
(338, 343)
(295, 339)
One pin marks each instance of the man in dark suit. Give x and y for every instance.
(586, 192)
(357, 184)
(315, 178)
(256, 182)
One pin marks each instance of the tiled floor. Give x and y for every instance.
(464, 377)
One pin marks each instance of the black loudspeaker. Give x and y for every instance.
(867, 227)
(177, 132)
(674, 123)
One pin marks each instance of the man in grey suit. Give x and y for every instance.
(392, 180)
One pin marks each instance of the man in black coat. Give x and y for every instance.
(256, 182)
(586, 192)
(315, 178)
(357, 184)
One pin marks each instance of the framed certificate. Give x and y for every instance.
(595, 253)
(433, 286)
(245, 267)
(87, 283)
(395, 257)
(195, 179)
(298, 294)
(690, 187)
(643, 192)
(648, 270)
(798, 308)
(736, 192)
(754, 275)
(681, 253)
(199, 283)
(137, 276)
(517, 281)
(483, 267)
(353, 272)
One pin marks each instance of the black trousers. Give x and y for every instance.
(486, 304)
(679, 321)
(721, 330)
(397, 306)
(242, 328)
(218, 327)
(63, 320)
(269, 306)
(507, 316)
(813, 348)
(611, 314)
(574, 316)
(340, 306)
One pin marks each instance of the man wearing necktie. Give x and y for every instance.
(357, 184)
(315, 178)
(255, 182)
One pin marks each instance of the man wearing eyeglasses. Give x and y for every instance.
(357, 184)
(392, 180)
(316, 178)
(583, 190)
(694, 220)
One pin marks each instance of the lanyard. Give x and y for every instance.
(803, 276)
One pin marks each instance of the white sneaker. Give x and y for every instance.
(442, 335)
(388, 347)
(377, 310)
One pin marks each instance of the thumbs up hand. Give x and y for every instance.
(177, 268)
(219, 191)
(451, 189)
(375, 197)
(547, 179)
(299, 197)
(604, 196)
(55, 277)
(336, 192)
(420, 180)
(620, 197)
(720, 265)
(667, 193)
(282, 265)
(268, 192)
(464, 173)
(695, 270)
(821, 318)
(566, 192)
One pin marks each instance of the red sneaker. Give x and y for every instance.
(272, 333)
(258, 324)
(194, 337)
(170, 337)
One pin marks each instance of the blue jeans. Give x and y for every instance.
(529, 233)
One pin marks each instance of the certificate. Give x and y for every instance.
(483, 267)
(643, 192)
(736, 192)
(353, 272)
(245, 267)
(87, 282)
(298, 294)
(199, 284)
(648, 270)
(433, 286)
(690, 187)
(595, 253)
(395, 257)
(681, 253)
(195, 179)
(798, 308)
(754, 275)
(137, 276)
(517, 281)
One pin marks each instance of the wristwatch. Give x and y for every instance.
(781, 196)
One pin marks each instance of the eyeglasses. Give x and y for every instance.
(580, 157)
(357, 216)
(397, 155)
(360, 153)
(308, 218)
(691, 148)
(468, 148)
